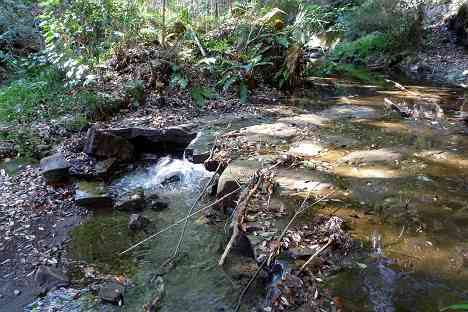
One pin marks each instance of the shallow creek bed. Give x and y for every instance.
(383, 226)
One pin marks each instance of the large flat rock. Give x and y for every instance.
(272, 133)
(372, 156)
(123, 143)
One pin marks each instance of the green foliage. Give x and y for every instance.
(40, 95)
(201, 94)
(399, 20)
(457, 307)
(360, 50)
(79, 34)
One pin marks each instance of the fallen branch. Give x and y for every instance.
(238, 217)
(315, 255)
(179, 222)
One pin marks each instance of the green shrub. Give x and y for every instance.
(399, 20)
(360, 50)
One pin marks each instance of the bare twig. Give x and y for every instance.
(179, 222)
(315, 255)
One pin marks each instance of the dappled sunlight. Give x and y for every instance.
(379, 172)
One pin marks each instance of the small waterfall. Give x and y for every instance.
(167, 175)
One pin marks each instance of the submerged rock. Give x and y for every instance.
(93, 195)
(112, 293)
(55, 168)
(132, 202)
(137, 222)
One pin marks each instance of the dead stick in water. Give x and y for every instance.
(238, 217)
(302, 208)
(315, 255)
(202, 193)
(179, 221)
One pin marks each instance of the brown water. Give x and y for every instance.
(404, 180)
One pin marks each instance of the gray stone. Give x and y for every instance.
(305, 148)
(350, 111)
(137, 222)
(17, 292)
(294, 180)
(272, 133)
(48, 278)
(239, 171)
(7, 149)
(152, 140)
(305, 120)
(131, 202)
(372, 156)
(55, 168)
(112, 293)
(93, 195)
(105, 144)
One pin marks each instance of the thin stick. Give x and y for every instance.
(267, 259)
(315, 255)
(200, 196)
(179, 222)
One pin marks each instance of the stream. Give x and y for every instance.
(402, 190)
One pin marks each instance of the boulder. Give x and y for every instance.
(55, 168)
(112, 293)
(137, 222)
(105, 144)
(239, 171)
(131, 202)
(7, 149)
(93, 195)
(123, 143)
(48, 278)
(160, 141)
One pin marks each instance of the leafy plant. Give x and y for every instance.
(456, 307)
(200, 94)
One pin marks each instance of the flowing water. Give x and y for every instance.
(407, 207)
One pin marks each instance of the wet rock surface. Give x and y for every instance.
(101, 143)
(132, 202)
(55, 168)
(137, 222)
(93, 195)
(112, 293)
